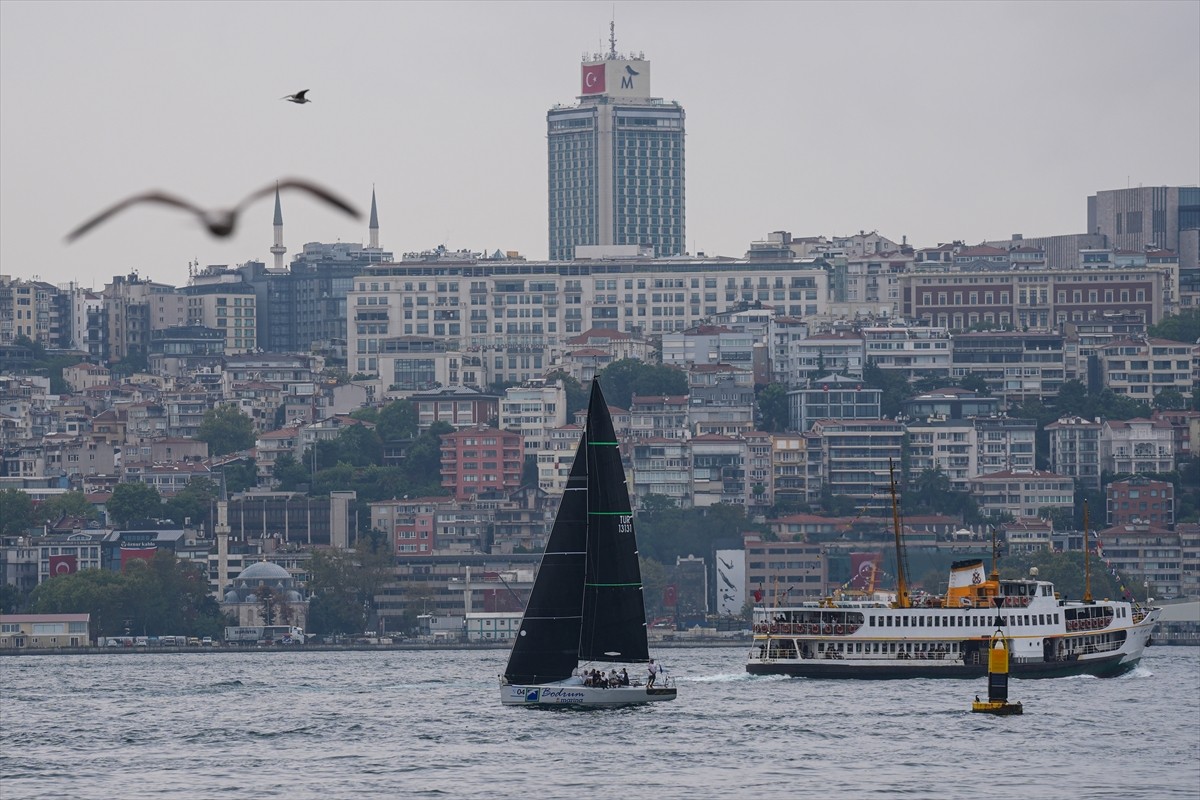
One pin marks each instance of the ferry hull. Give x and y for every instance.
(1101, 666)
(576, 695)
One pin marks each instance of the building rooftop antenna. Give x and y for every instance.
(612, 37)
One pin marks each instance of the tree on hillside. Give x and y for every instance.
(974, 382)
(623, 379)
(226, 430)
(773, 409)
(16, 512)
(289, 473)
(71, 504)
(1170, 400)
(359, 446)
(397, 421)
(134, 501)
(194, 502)
(892, 383)
(1182, 327)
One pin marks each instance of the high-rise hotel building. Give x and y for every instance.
(616, 162)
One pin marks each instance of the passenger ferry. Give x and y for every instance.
(948, 637)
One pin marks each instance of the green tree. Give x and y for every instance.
(623, 379)
(71, 504)
(226, 430)
(289, 473)
(529, 471)
(16, 512)
(1182, 327)
(974, 382)
(11, 599)
(134, 501)
(397, 421)
(359, 446)
(1066, 572)
(195, 502)
(773, 407)
(240, 475)
(893, 384)
(1170, 400)
(1063, 519)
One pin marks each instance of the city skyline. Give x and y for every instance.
(930, 121)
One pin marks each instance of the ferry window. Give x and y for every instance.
(921, 622)
(905, 622)
(872, 619)
(1056, 619)
(889, 620)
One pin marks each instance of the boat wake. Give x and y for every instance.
(722, 677)
(1139, 672)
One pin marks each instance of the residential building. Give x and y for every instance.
(616, 174)
(719, 470)
(1148, 554)
(1140, 500)
(797, 468)
(1185, 425)
(1075, 449)
(913, 352)
(723, 400)
(949, 445)
(785, 572)
(832, 397)
(1137, 446)
(663, 416)
(217, 298)
(818, 356)
(1022, 493)
(1036, 299)
(1005, 443)
(1016, 365)
(533, 410)
(459, 407)
(477, 460)
(512, 319)
(858, 456)
(662, 467)
(950, 403)
(1189, 545)
(1141, 368)
(1028, 535)
(708, 344)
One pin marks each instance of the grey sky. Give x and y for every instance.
(937, 121)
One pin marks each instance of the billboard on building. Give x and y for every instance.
(616, 78)
(63, 565)
(731, 581)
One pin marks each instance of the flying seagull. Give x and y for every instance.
(631, 70)
(220, 222)
(298, 97)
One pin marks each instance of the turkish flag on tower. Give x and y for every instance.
(593, 79)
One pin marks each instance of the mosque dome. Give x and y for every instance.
(264, 572)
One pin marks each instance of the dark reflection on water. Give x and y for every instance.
(429, 725)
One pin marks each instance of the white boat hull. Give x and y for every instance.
(572, 692)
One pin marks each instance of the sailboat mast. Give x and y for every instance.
(901, 583)
(1087, 561)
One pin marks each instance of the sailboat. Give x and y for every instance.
(586, 604)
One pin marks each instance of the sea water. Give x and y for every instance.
(429, 724)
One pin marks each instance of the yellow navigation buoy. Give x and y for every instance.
(997, 702)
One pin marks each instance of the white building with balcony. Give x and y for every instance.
(1137, 446)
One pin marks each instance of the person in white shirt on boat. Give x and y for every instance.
(652, 669)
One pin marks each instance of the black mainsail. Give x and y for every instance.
(587, 600)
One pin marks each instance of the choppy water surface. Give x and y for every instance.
(429, 724)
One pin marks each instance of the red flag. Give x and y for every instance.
(63, 565)
(593, 79)
(669, 595)
(758, 595)
(864, 567)
(130, 553)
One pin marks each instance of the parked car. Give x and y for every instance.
(193, 641)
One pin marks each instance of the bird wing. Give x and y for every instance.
(147, 197)
(300, 94)
(311, 188)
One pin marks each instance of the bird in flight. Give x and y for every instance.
(219, 222)
(298, 97)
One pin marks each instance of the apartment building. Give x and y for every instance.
(478, 460)
(1017, 366)
(832, 397)
(1137, 446)
(949, 445)
(857, 456)
(914, 352)
(1140, 500)
(1075, 449)
(797, 467)
(819, 355)
(1141, 368)
(1022, 493)
(662, 467)
(514, 318)
(1149, 554)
